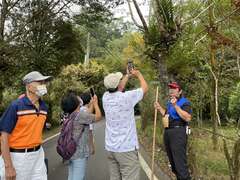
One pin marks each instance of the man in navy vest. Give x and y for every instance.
(175, 135)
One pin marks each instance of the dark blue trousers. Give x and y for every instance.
(175, 140)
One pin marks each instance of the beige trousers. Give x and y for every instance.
(124, 165)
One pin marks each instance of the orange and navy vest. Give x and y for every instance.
(24, 123)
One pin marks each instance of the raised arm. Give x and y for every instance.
(141, 79)
(183, 114)
(90, 107)
(98, 114)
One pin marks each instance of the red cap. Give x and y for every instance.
(174, 85)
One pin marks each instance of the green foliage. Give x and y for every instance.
(101, 34)
(42, 37)
(164, 29)
(234, 102)
(9, 95)
(74, 77)
(67, 44)
(93, 14)
(166, 11)
(147, 107)
(113, 57)
(233, 160)
(58, 46)
(39, 38)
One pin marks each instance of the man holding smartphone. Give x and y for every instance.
(121, 139)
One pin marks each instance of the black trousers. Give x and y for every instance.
(175, 140)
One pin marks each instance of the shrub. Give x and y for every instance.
(74, 77)
(9, 94)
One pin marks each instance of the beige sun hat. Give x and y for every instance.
(111, 81)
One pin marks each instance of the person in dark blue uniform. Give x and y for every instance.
(177, 114)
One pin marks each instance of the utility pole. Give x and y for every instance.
(86, 59)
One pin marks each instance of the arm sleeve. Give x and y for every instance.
(134, 96)
(9, 119)
(187, 107)
(86, 118)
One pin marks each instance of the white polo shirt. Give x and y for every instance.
(120, 132)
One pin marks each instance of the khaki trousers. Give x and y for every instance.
(124, 165)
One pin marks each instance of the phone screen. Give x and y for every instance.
(130, 66)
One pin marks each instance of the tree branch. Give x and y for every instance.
(13, 5)
(61, 8)
(141, 16)
(227, 16)
(156, 8)
(191, 20)
(54, 5)
(215, 94)
(131, 13)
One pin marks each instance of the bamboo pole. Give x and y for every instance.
(154, 137)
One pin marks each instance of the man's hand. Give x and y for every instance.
(135, 72)
(95, 100)
(128, 72)
(174, 101)
(157, 105)
(10, 173)
(98, 114)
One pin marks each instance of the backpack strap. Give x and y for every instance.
(80, 134)
(84, 126)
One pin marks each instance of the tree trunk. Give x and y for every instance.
(3, 19)
(238, 124)
(214, 104)
(238, 63)
(201, 117)
(141, 16)
(163, 74)
(200, 110)
(213, 68)
(3, 16)
(198, 118)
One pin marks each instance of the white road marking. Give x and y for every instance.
(49, 138)
(145, 167)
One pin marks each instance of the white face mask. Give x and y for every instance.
(41, 90)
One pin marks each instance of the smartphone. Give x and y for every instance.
(92, 92)
(130, 65)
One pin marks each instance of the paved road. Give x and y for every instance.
(97, 167)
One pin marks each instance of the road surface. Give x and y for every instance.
(97, 166)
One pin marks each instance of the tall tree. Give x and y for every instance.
(163, 31)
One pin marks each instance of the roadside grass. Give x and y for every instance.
(211, 164)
